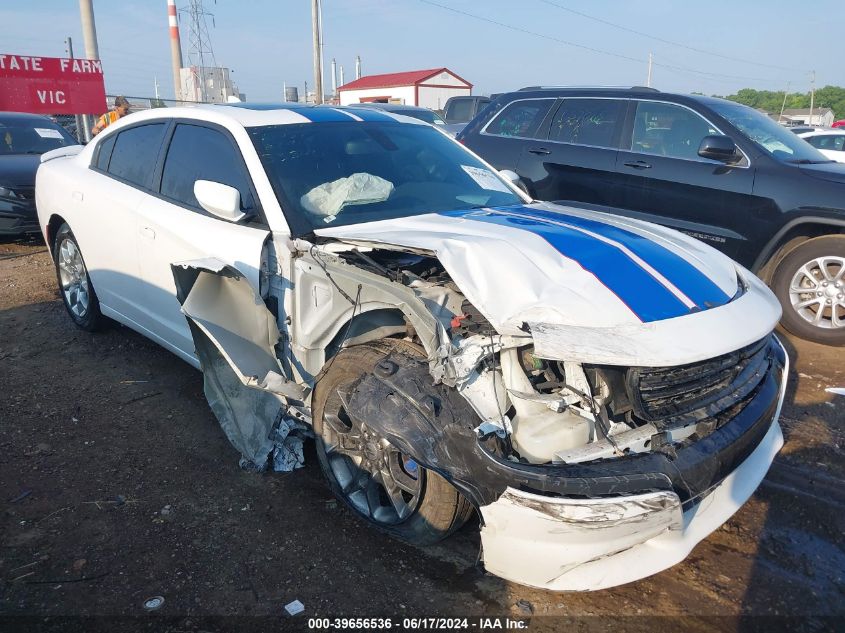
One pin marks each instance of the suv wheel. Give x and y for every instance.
(810, 284)
(375, 479)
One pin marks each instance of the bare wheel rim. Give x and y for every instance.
(376, 478)
(817, 292)
(73, 278)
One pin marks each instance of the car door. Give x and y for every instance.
(108, 201)
(173, 227)
(576, 160)
(662, 178)
(501, 141)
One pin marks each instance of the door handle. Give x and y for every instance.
(539, 150)
(638, 164)
(148, 233)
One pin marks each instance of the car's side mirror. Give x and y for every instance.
(219, 200)
(719, 147)
(511, 176)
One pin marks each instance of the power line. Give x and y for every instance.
(711, 75)
(665, 41)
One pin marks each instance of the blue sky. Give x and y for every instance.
(267, 42)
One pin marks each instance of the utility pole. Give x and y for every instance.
(650, 61)
(80, 121)
(92, 51)
(318, 56)
(783, 106)
(812, 93)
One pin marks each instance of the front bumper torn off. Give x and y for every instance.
(571, 544)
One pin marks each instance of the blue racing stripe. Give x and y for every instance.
(646, 297)
(371, 114)
(324, 114)
(683, 275)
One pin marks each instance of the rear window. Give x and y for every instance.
(135, 152)
(520, 118)
(459, 111)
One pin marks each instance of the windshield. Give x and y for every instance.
(332, 174)
(778, 141)
(31, 136)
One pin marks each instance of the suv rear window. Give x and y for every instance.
(587, 122)
(520, 118)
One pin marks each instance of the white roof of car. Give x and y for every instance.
(832, 132)
(252, 115)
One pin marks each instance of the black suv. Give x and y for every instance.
(714, 169)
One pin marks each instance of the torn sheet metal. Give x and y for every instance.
(234, 336)
(288, 437)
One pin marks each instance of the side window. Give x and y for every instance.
(520, 118)
(587, 122)
(104, 153)
(829, 141)
(135, 151)
(200, 153)
(666, 129)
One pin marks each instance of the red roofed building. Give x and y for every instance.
(427, 88)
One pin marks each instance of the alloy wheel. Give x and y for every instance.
(74, 278)
(817, 292)
(375, 477)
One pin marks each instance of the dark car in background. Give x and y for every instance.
(23, 138)
(714, 169)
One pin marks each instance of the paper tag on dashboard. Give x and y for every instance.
(485, 179)
(44, 132)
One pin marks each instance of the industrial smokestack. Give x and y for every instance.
(357, 67)
(334, 77)
(175, 49)
(342, 82)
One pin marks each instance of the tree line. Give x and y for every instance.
(832, 97)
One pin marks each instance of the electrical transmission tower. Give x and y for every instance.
(200, 52)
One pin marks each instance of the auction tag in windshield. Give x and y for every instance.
(44, 132)
(485, 179)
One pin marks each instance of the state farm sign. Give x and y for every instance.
(51, 85)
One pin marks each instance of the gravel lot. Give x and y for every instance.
(117, 484)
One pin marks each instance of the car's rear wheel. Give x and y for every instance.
(810, 284)
(74, 283)
(366, 472)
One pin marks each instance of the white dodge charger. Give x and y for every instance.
(603, 392)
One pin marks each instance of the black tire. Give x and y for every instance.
(435, 510)
(801, 295)
(75, 285)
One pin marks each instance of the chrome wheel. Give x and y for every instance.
(377, 479)
(73, 278)
(817, 292)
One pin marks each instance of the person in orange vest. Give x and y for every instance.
(121, 109)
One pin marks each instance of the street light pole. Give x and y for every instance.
(92, 51)
(318, 53)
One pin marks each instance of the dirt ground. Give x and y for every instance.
(117, 484)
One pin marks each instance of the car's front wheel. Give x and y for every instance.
(371, 476)
(74, 283)
(810, 284)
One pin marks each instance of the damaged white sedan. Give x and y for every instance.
(603, 392)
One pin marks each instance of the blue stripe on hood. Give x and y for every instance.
(646, 297)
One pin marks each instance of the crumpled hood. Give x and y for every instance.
(559, 265)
